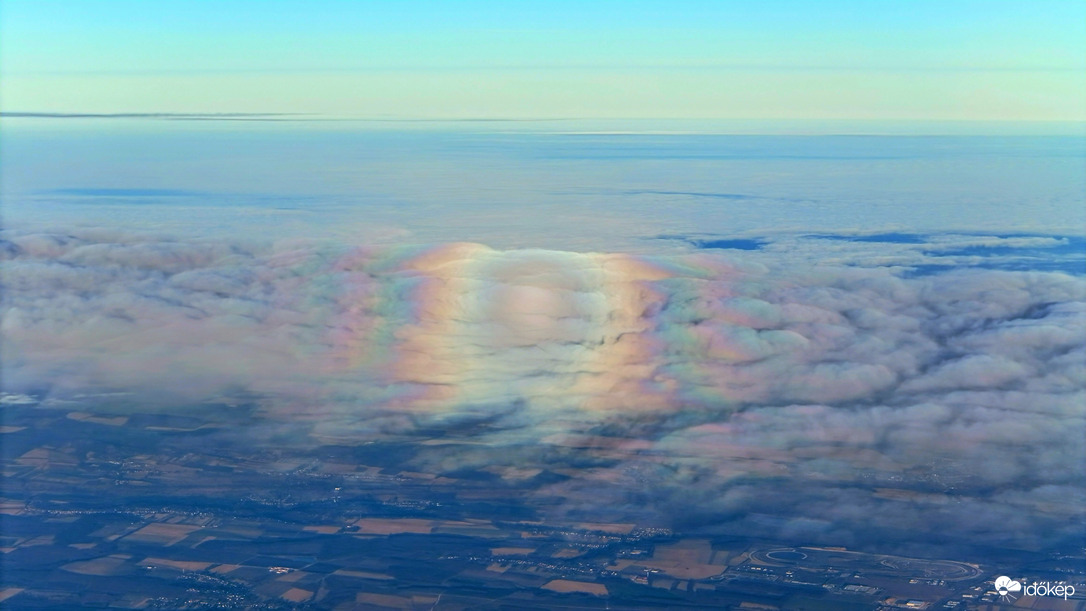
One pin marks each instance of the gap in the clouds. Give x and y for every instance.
(1073, 268)
(713, 242)
(1067, 246)
(889, 238)
(734, 244)
(1039, 253)
(995, 251)
(918, 254)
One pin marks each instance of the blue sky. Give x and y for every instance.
(827, 60)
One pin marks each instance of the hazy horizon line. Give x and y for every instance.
(627, 125)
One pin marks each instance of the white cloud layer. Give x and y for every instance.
(813, 402)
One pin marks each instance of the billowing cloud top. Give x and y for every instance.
(700, 376)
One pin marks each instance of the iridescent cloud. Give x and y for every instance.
(695, 386)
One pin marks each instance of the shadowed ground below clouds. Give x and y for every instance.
(806, 403)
